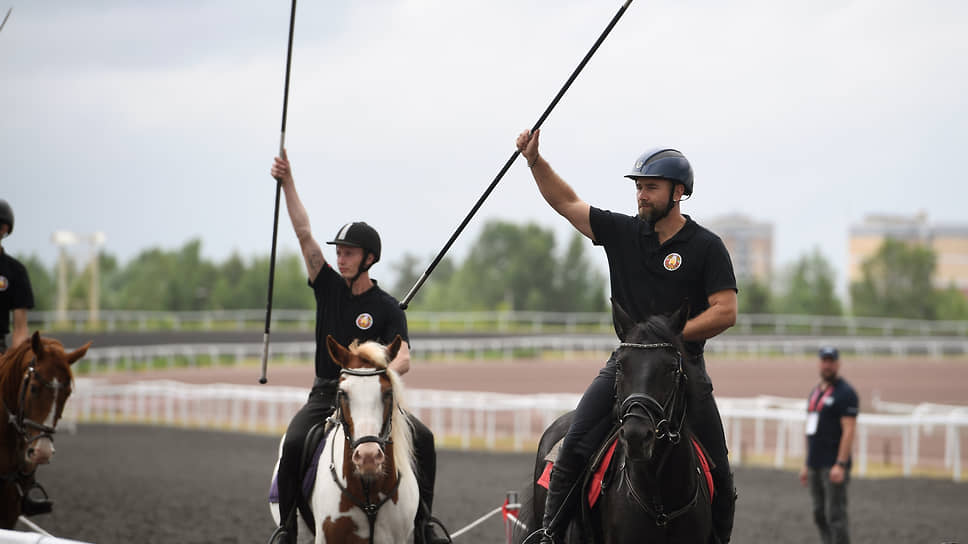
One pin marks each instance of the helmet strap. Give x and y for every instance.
(363, 268)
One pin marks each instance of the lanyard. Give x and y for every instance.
(815, 403)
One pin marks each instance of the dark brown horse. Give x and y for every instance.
(35, 382)
(654, 490)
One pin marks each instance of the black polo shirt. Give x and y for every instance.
(826, 408)
(371, 315)
(649, 278)
(15, 291)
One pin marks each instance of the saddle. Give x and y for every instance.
(597, 475)
(308, 467)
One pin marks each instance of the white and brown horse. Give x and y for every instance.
(366, 488)
(35, 382)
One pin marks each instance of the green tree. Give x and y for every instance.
(754, 298)
(951, 304)
(810, 288)
(896, 282)
(41, 282)
(579, 288)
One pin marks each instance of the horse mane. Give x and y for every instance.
(401, 428)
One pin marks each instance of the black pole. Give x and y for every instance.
(275, 213)
(5, 17)
(514, 156)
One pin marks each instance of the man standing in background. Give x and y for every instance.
(832, 409)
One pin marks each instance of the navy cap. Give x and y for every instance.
(829, 352)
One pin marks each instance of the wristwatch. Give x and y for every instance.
(842, 464)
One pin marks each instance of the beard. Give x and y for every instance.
(828, 375)
(652, 212)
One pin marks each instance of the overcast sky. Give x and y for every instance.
(156, 122)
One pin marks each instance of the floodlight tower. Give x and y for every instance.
(94, 293)
(62, 239)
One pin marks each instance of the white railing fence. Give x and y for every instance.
(502, 421)
(507, 348)
(504, 321)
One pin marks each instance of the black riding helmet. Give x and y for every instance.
(6, 215)
(665, 163)
(359, 234)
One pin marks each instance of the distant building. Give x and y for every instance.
(750, 246)
(948, 241)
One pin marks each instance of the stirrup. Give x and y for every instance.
(30, 506)
(431, 536)
(279, 536)
(541, 536)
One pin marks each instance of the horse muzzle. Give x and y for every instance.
(39, 451)
(368, 458)
(639, 438)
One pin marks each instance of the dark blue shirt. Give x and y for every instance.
(371, 315)
(830, 406)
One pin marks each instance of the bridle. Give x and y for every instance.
(18, 420)
(665, 428)
(370, 508)
(660, 415)
(23, 424)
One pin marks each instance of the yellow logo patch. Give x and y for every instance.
(4, 283)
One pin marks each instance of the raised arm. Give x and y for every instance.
(312, 253)
(554, 189)
(19, 327)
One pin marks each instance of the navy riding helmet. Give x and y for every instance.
(665, 163)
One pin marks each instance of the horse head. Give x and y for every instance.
(649, 383)
(366, 404)
(36, 382)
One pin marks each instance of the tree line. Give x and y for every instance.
(508, 267)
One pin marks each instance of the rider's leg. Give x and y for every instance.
(317, 408)
(426, 461)
(707, 425)
(576, 448)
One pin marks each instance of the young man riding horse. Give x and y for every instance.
(656, 260)
(16, 297)
(349, 306)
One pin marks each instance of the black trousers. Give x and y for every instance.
(319, 406)
(586, 433)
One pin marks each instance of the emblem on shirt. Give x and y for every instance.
(364, 321)
(672, 262)
(4, 283)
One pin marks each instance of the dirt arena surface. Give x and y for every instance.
(121, 483)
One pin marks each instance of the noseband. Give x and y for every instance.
(661, 415)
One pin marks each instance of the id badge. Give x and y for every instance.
(812, 419)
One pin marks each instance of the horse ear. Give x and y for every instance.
(36, 344)
(337, 353)
(76, 355)
(621, 320)
(393, 348)
(679, 317)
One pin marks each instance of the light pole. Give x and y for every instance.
(62, 239)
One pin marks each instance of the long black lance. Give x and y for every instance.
(275, 213)
(514, 156)
(5, 17)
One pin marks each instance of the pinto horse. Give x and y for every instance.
(35, 381)
(654, 489)
(366, 488)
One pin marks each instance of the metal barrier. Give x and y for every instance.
(494, 421)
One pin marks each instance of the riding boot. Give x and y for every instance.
(562, 499)
(723, 507)
(35, 500)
